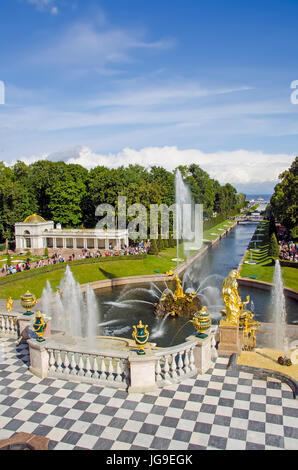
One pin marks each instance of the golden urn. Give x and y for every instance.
(202, 322)
(39, 327)
(141, 335)
(28, 301)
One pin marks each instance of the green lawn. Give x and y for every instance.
(85, 273)
(264, 269)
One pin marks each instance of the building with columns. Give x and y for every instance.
(36, 234)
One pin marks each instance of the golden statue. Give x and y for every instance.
(9, 304)
(178, 294)
(232, 300)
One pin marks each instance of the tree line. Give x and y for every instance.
(284, 201)
(69, 193)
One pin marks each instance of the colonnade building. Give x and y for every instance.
(36, 234)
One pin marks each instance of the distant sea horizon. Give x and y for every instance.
(266, 197)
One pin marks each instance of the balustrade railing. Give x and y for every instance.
(109, 368)
(8, 325)
(175, 364)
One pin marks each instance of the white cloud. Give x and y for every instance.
(45, 5)
(238, 167)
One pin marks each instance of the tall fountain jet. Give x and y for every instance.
(71, 311)
(279, 310)
(189, 224)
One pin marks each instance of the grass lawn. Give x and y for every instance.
(85, 273)
(264, 269)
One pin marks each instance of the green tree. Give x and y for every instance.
(284, 201)
(273, 250)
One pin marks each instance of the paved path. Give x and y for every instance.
(221, 409)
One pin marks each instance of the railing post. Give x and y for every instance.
(202, 353)
(142, 372)
(39, 358)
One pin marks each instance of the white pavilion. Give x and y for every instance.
(36, 234)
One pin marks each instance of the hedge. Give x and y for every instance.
(288, 264)
(56, 267)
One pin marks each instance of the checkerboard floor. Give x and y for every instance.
(221, 409)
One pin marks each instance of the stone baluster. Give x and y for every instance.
(73, 365)
(2, 324)
(186, 362)
(111, 370)
(158, 371)
(180, 364)
(88, 368)
(167, 368)
(191, 359)
(66, 370)
(118, 371)
(174, 366)
(95, 374)
(81, 372)
(103, 369)
(52, 361)
(59, 369)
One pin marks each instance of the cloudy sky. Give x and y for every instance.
(169, 83)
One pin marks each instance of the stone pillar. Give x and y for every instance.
(95, 243)
(24, 323)
(142, 373)
(107, 243)
(85, 243)
(229, 340)
(74, 243)
(39, 358)
(64, 242)
(54, 244)
(202, 353)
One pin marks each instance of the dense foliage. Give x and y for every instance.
(69, 193)
(284, 201)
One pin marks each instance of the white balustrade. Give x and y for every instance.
(98, 368)
(176, 363)
(8, 325)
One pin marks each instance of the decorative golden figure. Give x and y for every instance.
(9, 304)
(232, 300)
(141, 335)
(178, 294)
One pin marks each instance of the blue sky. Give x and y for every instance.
(171, 82)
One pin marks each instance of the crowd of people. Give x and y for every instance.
(288, 251)
(136, 249)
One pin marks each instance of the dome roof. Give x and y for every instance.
(34, 219)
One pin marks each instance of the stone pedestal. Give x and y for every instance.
(202, 353)
(142, 373)
(39, 358)
(229, 340)
(24, 323)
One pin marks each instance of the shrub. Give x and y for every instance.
(153, 250)
(273, 250)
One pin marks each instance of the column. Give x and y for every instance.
(85, 243)
(54, 244)
(95, 243)
(64, 242)
(106, 244)
(74, 243)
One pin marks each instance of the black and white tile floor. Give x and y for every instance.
(221, 409)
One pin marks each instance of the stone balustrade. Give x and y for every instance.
(123, 369)
(9, 325)
(108, 368)
(176, 363)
